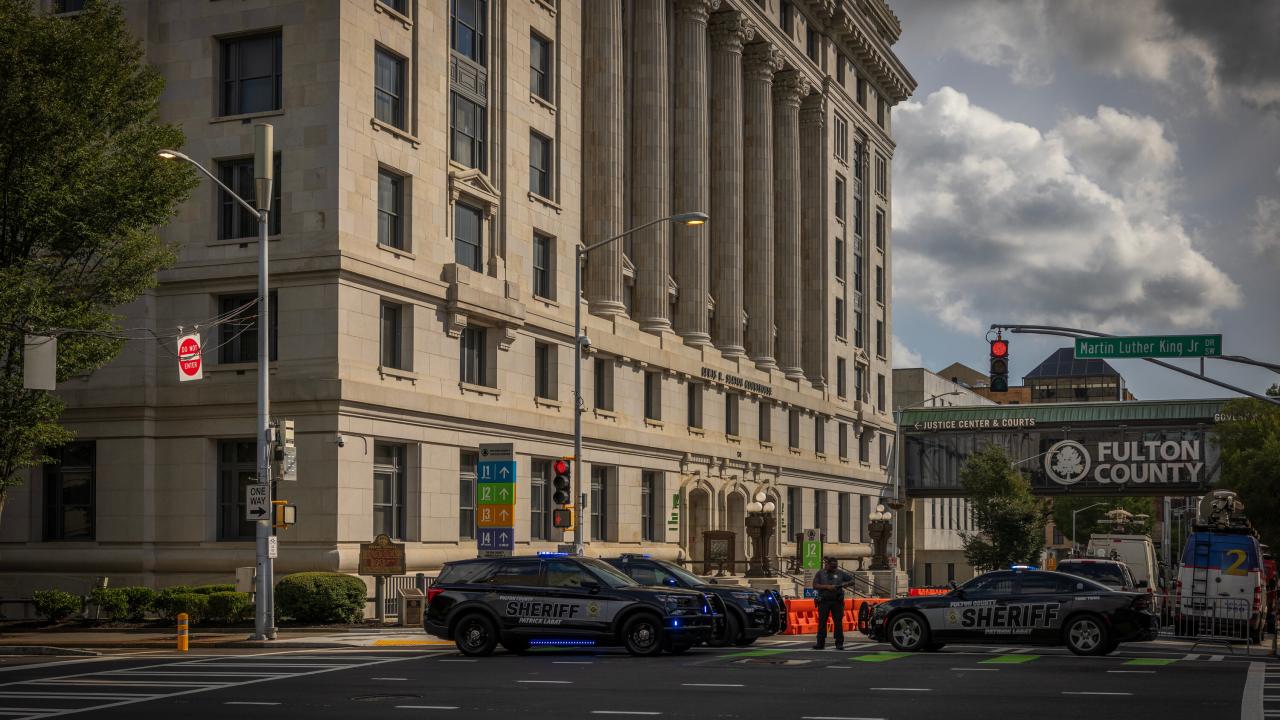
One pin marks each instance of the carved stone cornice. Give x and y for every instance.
(760, 61)
(789, 88)
(697, 10)
(874, 56)
(730, 31)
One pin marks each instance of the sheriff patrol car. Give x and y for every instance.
(1021, 605)
(558, 600)
(749, 614)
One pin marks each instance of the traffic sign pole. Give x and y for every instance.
(264, 623)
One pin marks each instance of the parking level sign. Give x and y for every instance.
(496, 500)
(495, 539)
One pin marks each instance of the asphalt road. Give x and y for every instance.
(784, 680)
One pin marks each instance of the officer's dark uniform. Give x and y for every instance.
(831, 603)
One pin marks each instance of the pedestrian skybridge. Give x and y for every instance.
(1160, 447)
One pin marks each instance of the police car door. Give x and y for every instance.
(975, 615)
(1040, 607)
(580, 597)
(515, 588)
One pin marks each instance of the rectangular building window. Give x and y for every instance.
(70, 507)
(599, 503)
(819, 434)
(389, 97)
(857, 329)
(885, 448)
(391, 345)
(468, 130)
(765, 412)
(811, 44)
(857, 214)
(604, 384)
(400, 6)
(544, 266)
(793, 513)
(839, 258)
(841, 328)
(793, 428)
(842, 381)
(251, 74)
(540, 66)
(880, 284)
(234, 221)
(880, 385)
(474, 368)
(467, 31)
(841, 129)
(389, 496)
(694, 404)
(839, 202)
(467, 462)
(864, 446)
(879, 228)
(544, 371)
(238, 336)
(840, 63)
(857, 159)
(844, 505)
(861, 93)
(860, 384)
(731, 414)
(237, 469)
(539, 500)
(786, 17)
(843, 432)
(467, 226)
(390, 209)
(882, 175)
(857, 269)
(650, 513)
(653, 395)
(820, 512)
(882, 111)
(879, 338)
(539, 164)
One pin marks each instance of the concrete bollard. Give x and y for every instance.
(182, 632)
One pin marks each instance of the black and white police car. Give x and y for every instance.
(558, 600)
(1021, 605)
(749, 614)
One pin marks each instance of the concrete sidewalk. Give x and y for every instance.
(318, 638)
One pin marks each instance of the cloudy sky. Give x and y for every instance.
(1104, 164)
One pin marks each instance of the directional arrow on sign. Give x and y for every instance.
(503, 471)
(258, 511)
(503, 494)
(503, 515)
(502, 537)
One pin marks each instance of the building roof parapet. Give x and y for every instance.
(870, 47)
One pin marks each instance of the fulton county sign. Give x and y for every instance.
(1120, 463)
(1158, 346)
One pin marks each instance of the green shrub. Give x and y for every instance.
(320, 597)
(173, 600)
(112, 602)
(57, 605)
(195, 605)
(142, 600)
(231, 607)
(214, 588)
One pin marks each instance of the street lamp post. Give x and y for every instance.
(897, 477)
(1075, 545)
(264, 627)
(580, 254)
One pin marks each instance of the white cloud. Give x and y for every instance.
(905, 357)
(998, 222)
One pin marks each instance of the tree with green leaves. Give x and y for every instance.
(82, 192)
(1249, 445)
(1089, 522)
(1010, 521)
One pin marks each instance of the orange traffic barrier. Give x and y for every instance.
(802, 614)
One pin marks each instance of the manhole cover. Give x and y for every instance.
(771, 661)
(377, 698)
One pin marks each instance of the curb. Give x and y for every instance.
(43, 650)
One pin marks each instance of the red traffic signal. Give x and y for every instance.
(561, 467)
(560, 483)
(999, 349)
(562, 519)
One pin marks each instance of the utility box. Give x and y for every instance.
(412, 605)
(246, 579)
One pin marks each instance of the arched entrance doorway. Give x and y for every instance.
(699, 520)
(736, 522)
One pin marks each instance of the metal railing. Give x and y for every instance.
(395, 583)
(1217, 620)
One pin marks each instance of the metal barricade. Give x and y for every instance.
(1218, 620)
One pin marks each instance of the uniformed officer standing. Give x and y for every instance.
(829, 582)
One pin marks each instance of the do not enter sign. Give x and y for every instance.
(189, 365)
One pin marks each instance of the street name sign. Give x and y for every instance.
(257, 502)
(496, 500)
(1149, 346)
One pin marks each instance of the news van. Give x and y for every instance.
(1222, 583)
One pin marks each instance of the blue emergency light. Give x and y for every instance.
(1023, 567)
(549, 553)
(562, 642)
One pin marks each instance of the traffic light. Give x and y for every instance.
(561, 482)
(999, 365)
(562, 519)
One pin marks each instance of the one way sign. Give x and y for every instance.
(257, 502)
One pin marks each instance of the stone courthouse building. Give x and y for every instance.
(439, 160)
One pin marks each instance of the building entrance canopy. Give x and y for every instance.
(1119, 448)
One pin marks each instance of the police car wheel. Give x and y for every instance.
(908, 632)
(475, 635)
(1086, 635)
(743, 641)
(642, 635)
(732, 631)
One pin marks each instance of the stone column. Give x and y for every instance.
(691, 256)
(788, 88)
(815, 302)
(650, 158)
(760, 62)
(729, 30)
(602, 155)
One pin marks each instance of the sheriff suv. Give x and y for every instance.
(559, 600)
(749, 613)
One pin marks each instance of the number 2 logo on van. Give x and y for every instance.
(1236, 567)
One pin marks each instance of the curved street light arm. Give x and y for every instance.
(174, 154)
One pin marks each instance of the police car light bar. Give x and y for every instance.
(551, 553)
(1022, 567)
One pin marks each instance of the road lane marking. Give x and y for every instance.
(904, 689)
(249, 702)
(388, 678)
(625, 712)
(1215, 658)
(1191, 656)
(880, 656)
(547, 682)
(975, 669)
(426, 707)
(1008, 660)
(762, 652)
(1134, 672)
(835, 717)
(1092, 692)
(571, 662)
(1160, 662)
(711, 685)
(457, 660)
